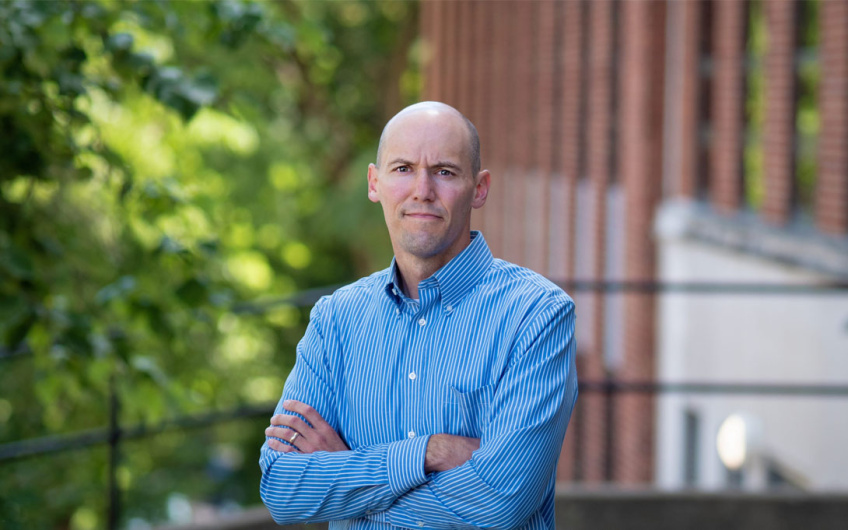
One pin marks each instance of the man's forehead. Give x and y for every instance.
(427, 125)
(433, 138)
(428, 129)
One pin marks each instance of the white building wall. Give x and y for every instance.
(744, 338)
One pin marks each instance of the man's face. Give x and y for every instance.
(425, 185)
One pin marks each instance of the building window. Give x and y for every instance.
(616, 61)
(705, 97)
(807, 75)
(753, 189)
(691, 449)
(582, 152)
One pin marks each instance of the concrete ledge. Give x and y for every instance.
(256, 518)
(644, 509)
(653, 510)
(797, 244)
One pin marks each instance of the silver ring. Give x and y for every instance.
(294, 437)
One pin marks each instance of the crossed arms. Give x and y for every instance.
(444, 451)
(437, 480)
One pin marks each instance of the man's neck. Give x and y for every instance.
(411, 272)
(413, 269)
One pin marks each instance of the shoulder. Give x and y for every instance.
(533, 308)
(353, 297)
(515, 282)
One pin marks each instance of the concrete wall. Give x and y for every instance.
(726, 338)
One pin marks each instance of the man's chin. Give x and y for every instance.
(424, 246)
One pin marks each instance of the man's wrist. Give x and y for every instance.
(405, 464)
(447, 451)
(434, 456)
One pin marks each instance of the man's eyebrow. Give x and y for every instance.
(449, 165)
(441, 163)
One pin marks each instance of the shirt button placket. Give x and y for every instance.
(412, 375)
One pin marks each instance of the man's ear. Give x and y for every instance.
(481, 190)
(372, 183)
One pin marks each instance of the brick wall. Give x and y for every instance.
(599, 78)
(543, 94)
(832, 190)
(555, 102)
(728, 98)
(642, 34)
(563, 192)
(689, 39)
(779, 127)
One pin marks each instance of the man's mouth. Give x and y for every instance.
(424, 216)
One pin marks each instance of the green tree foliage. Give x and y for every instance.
(163, 165)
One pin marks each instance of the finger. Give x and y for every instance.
(291, 438)
(310, 414)
(280, 419)
(277, 445)
(292, 422)
(280, 432)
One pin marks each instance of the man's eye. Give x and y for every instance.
(445, 173)
(402, 169)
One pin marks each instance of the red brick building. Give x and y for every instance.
(594, 114)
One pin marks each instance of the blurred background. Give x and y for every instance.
(180, 181)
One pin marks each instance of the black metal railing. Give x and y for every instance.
(115, 434)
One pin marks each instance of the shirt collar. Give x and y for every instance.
(456, 278)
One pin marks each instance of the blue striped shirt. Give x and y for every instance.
(487, 352)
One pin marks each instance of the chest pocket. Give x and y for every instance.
(468, 411)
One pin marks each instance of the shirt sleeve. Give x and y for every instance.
(326, 486)
(504, 482)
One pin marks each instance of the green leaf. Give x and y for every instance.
(15, 262)
(168, 245)
(192, 292)
(119, 42)
(76, 337)
(200, 91)
(12, 307)
(148, 366)
(118, 289)
(209, 247)
(70, 84)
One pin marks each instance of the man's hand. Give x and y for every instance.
(317, 435)
(447, 451)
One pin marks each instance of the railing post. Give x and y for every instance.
(609, 418)
(579, 436)
(114, 454)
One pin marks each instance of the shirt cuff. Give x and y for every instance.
(405, 464)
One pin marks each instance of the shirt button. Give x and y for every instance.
(397, 310)
(421, 523)
(411, 434)
(412, 375)
(449, 308)
(394, 291)
(422, 321)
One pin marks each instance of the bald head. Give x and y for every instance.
(436, 108)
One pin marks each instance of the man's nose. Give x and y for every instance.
(424, 186)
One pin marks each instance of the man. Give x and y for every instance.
(435, 393)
